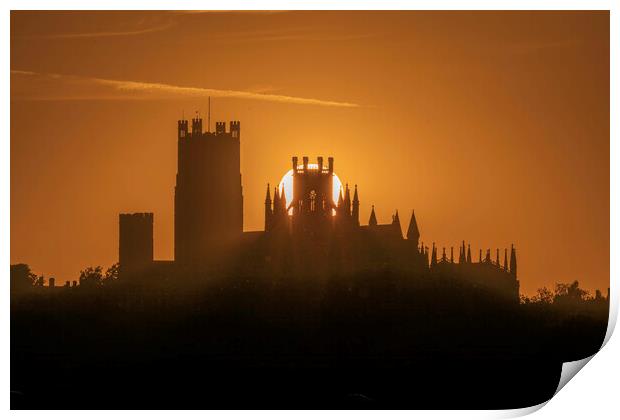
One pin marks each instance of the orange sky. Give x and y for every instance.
(494, 126)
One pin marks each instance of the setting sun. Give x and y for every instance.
(286, 184)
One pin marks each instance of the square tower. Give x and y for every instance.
(135, 249)
(208, 209)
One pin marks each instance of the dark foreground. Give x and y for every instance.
(249, 345)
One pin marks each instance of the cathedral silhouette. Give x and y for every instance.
(313, 237)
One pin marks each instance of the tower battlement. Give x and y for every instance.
(235, 129)
(220, 127)
(129, 217)
(307, 167)
(183, 129)
(196, 127)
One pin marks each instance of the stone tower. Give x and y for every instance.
(208, 198)
(135, 245)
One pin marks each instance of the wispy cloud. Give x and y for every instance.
(533, 47)
(67, 87)
(162, 22)
(287, 34)
(103, 34)
(258, 12)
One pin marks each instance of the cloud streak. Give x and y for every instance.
(104, 34)
(127, 89)
(292, 34)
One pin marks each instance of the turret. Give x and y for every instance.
(196, 127)
(330, 165)
(434, 256)
(182, 129)
(276, 202)
(396, 224)
(295, 161)
(305, 163)
(220, 127)
(319, 161)
(413, 233)
(340, 206)
(235, 129)
(497, 257)
(513, 261)
(268, 211)
(347, 201)
(451, 255)
(372, 221)
(462, 253)
(355, 210)
(505, 259)
(469, 253)
(283, 208)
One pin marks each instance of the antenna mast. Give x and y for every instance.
(209, 117)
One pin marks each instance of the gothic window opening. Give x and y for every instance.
(312, 201)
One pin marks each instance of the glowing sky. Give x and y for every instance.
(494, 126)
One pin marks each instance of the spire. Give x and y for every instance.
(396, 225)
(373, 218)
(434, 256)
(452, 255)
(443, 255)
(497, 257)
(396, 219)
(268, 211)
(283, 201)
(469, 253)
(462, 254)
(347, 201)
(355, 210)
(505, 259)
(276, 201)
(480, 255)
(268, 195)
(487, 257)
(513, 261)
(413, 233)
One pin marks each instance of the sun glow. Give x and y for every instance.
(286, 185)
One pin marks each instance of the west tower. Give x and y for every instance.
(208, 197)
(135, 245)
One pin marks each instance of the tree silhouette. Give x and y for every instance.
(39, 282)
(22, 279)
(111, 274)
(570, 293)
(91, 277)
(543, 295)
(598, 297)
